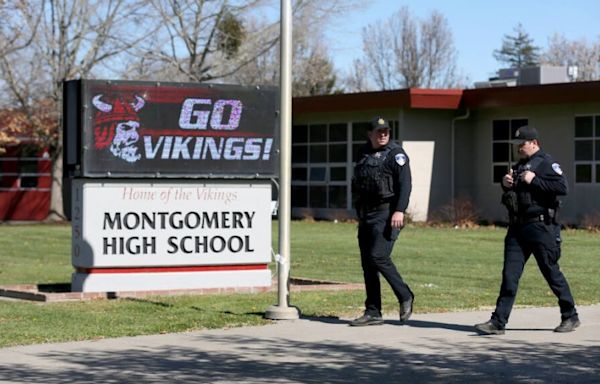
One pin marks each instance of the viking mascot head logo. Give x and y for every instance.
(116, 127)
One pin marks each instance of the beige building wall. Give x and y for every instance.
(556, 126)
(431, 128)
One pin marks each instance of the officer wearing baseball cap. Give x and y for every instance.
(381, 188)
(531, 190)
(524, 134)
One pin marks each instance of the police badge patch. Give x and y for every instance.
(400, 159)
(556, 168)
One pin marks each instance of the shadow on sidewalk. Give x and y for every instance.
(409, 323)
(436, 324)
(237, 358)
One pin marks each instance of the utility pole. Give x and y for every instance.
(282, 311)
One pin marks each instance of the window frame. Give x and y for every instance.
(511, 131)
(594, 163)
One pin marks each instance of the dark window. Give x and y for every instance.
(583, 173)
(359, 131)
(500, 152)
(499, 172)
(337, 153)
(29, 173)
(587, 149)
(318, 197)
(584, 126)
(299, 134)
(299, 154)
(337, 132)
(318, 173)
(299, 174)
(584, 150)
(299, 196)
(337, 174)
(318, 133)
(337, 196)
(318, 153)
(500, 130)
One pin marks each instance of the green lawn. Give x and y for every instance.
(448, 269)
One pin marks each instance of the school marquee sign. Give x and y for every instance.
(170, 185)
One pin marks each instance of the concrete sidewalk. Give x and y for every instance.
(431, 348)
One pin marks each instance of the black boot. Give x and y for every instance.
(489, 328)
(367, 319)
(406, 308)
(568, 325)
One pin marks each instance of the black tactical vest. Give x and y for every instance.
(372, 181)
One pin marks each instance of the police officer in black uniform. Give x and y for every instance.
(381, 186)
(530, 194)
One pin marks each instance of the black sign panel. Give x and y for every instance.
(143, 129)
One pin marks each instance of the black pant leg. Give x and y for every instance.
(370, 272)
(547, 252)
(515, 258)
(376, 247)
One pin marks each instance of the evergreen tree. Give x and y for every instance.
(518, 50)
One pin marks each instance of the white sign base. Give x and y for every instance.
(139, 235)
(121, 282)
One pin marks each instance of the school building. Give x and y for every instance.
(457, 141)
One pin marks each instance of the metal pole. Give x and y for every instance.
(282, 311)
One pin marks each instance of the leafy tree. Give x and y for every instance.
(518, 50)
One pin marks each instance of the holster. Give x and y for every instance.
(510, 201)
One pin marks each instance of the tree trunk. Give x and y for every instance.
(57, 212)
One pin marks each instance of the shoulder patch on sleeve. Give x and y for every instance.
(400, 159)
(556, 168)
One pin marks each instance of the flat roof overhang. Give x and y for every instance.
(402, 98)
(561, 93)
(451, 99)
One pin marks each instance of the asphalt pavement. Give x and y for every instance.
(430, 348)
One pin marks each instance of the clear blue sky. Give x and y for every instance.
(478, 26)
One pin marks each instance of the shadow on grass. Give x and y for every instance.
(236, 358)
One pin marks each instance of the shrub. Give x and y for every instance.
(461, 212)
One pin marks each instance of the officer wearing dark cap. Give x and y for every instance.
(381, 186)
(530, 194)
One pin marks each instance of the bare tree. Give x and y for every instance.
(198, 40)
(72, 39)
(44, 42)
(402, 52)
(580, 53)
(313, 71)
(355, 80)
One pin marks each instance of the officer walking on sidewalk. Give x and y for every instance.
(530, 194)
(381, 186)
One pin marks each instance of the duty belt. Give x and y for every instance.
(533, 219)
(363, 209)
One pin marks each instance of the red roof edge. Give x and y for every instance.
(435, 98)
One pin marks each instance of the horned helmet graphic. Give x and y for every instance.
(116, 126)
